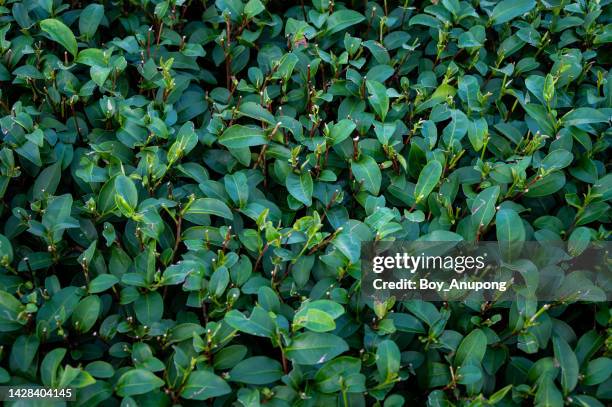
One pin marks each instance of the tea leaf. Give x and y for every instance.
(61, 34)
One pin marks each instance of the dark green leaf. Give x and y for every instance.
(506, 10)
(203, 385)
(312, 348)
(258, 370)
(60, 33)
(428, 179)
(137, 381)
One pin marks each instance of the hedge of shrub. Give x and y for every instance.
(186, 185)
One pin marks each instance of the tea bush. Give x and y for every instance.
(186, 184)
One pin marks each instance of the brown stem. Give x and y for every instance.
(179, 225)
(149, 43)
(324, 242)
(313, 129)
(524, 191)
(261, 159)
(284, 360)
(308, 89)
(204, 312)
(355, 148)
(263, 251)
(304, 10)
(159, 32)
(5, 106)
(329, 205)
(228, 238)
(76, 122)
(228, 56)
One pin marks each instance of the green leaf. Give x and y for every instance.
(528, 342)
(428, 179)
(30, 152)
(186, 140)
(99, 74)
(237, 188)
(91, 57)
(49, 366)
(102, 283)
(578, 241)
(507, 10)
(457, 128)
(584, 115)
(86, 314)
(23, 352)
(332, 308)
(253, 8)
(149, 308)
(366, 170)
(483, 206)
(510, 233)
(547, 185)
(541, 115)
(568, 362)
(47, 181)
(203, 385)
(259, 323)
(378, 98)
(258, 370)
(60, 33)
(90, 19)
(556, 160)
(346, 368)
(478, 130)
(417, 216)
(469, 374)
(126, 196)
(286, 66)
(229, 356)
(6, 249)
(587, 346)
(256, 111)
(312, 348)
(426, 20)
(315, 320)
(387, 360)
(549, 88)
(300, 186)
(472, 348)
(10, 307)
(341, 131)
(603, 187)
(318, 316)
(218, 282)
(100, 369)
(238, 136)
(547, 394)
(500, 394)
(59, 308)
(208, 206)
(452, 6)
(137, 381)
(342, 19)
(597, 371)
(57, 215)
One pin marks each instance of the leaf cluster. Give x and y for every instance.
(185, 187)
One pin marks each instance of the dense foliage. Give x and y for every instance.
(185, 186)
